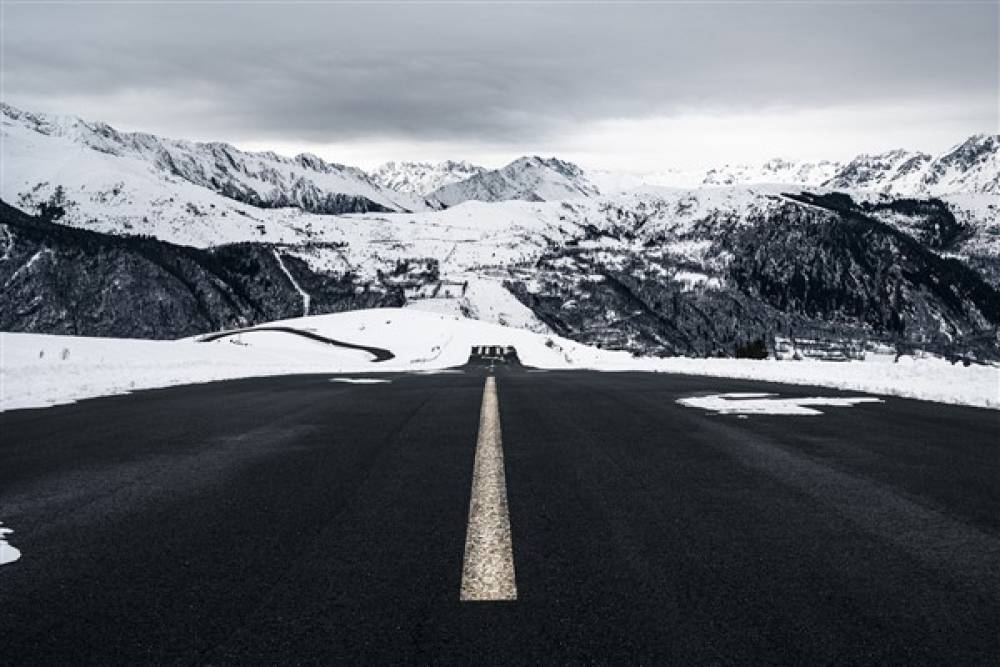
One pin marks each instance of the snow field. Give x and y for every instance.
(38, 370)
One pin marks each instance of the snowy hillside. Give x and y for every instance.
(527, 178)
(42, 370)
(423, 178)
(700, 270)
(637, 272)
(41, 151)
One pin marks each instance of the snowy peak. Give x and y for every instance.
(775, 170)
(974, 152)
(561, 167)
(261, 179)
(527, 178)
(971, 166)
(423, 178)
(879, 171)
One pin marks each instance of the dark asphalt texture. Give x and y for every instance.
(293, 520)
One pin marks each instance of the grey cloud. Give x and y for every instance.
(504, 74)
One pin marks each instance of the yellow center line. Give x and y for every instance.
(488, 569)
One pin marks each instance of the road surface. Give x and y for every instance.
(299, 520)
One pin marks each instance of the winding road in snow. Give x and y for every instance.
(295, 519)
(379, 354)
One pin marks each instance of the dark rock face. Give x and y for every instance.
(826, 270)
(929, 221)
(63, 280)
(851, 268)
(614, 308)
(303, 194)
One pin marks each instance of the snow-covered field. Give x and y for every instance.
(39, 370)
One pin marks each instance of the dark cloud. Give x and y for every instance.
(503, 74)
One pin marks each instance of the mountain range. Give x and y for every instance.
(114, 233)
(307, 182)
(423, 178)
(970, 166)
(527, 179)
(263, 180)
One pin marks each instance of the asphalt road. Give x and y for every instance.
(298, 520)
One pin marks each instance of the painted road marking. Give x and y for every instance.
(488, 569)
(742, 403)
(360, 380)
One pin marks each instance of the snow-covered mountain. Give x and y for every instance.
(695, 270)
(700, 272)
(893, 170)
(776, 170)
(971, 166)
(527, 178)
(40, 149)
(423, 178)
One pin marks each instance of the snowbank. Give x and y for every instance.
(39, 370)
(930, 379)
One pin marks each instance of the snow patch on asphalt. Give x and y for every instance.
(8, 554)
(768, 404)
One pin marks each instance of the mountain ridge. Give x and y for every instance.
(263, 179)
(528, 178)
(423, 178)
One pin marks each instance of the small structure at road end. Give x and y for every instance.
(493, 354)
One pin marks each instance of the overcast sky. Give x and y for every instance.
(627, 86)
